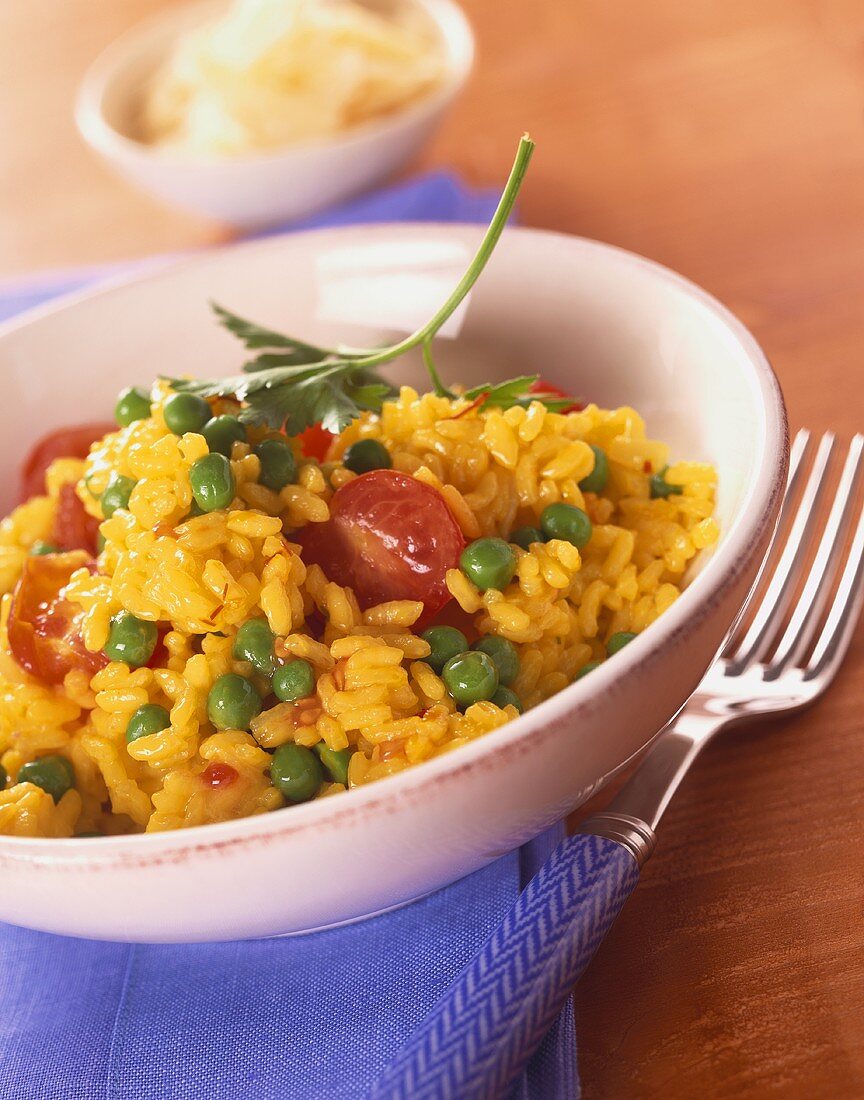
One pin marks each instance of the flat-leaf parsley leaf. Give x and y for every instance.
(296, 384)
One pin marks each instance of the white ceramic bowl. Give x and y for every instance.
(600, 323)
(267, 188)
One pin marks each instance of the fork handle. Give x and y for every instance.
(480, 1035)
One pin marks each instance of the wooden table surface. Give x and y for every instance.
(726, 140)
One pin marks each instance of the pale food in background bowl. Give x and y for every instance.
(270, 74)
(603, 323)
(220, 132)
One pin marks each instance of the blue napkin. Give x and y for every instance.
(435, 197)
(299, 1018)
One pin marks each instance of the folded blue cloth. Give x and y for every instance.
(298, 1018)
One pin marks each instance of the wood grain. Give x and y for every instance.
(727, 140)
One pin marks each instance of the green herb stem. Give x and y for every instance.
(294, 384)
(475, 268)
(439, 387)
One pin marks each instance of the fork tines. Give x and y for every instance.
(805, 604)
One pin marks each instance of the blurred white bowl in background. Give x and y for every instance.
(273, 186)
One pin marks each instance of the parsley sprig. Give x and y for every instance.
(297, 384)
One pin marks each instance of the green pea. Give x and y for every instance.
(222, 432)
(278, 465)
(504, 697)
(186, 412)
(489, 563)
(146, 720)
(54, 774)
(595, 482)
(618, 641)
(527, 536)
(116, 495)
(40, 547)
(566, 522)
(100, 542)
(366, 455)
(503, 654)
(470, 677)
(446, 642)
(131, 639)
(132, 404)
(233, 702)
(585, 669)
(212, 483)
(4, 777)
(294, 680)
(254, 643)
(296, 772)
(661, 488)
(335, 762)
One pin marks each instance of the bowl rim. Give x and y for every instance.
(454, 31)
(756, 517)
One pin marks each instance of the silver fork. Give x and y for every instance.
(771, 670)
(481, 1034)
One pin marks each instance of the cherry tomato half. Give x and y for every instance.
(64, 443)
(44, 627)
(389, 537)
(74, 528)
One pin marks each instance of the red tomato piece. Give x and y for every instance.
(389, 537)
(159, 656)
(44, 627)
(64, 443)
(546, 387)
(315, 442)
(218, 775)
(74, 528)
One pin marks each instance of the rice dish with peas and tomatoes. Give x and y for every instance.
(252, 592)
